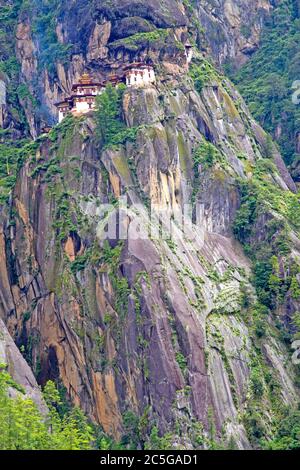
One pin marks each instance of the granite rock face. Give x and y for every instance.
(18, 369)
(104, 36)
(150, 325)
(157, 326)
(232, 27)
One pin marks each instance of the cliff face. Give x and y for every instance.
(157, 327)
(272, 90)
(172, 330)
(103, 36)
(231, 28)
(18, 369)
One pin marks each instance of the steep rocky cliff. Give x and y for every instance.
(189, 333)
(231, 28)
(269, 81)
(56, 41)
(19, 370)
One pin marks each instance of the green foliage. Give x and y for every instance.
(70, 431)
(8, 20)
(65, 216)
(130, 438)
(266, 79)
(51, 395)
(261, 194)
(260, 197)
(296, 326)
(254, 423)
(80, 262)
(263, 224)
(45, 14)
(111, 128)
(257, 385)
(203, 73)
(12, 156)
(159, 443)
(137, 40)
(112, 256)
(13, 152)
(9, 65)
(207, 155)
(181, 361)
(260, 314)
(247, 213)
(51, 167)
(23, 427)
(24, 93)
(287, 435)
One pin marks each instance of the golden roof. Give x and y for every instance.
(85, 79)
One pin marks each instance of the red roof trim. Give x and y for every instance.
(86, 85)
(69, 101)
(83, 96)
(61, 103)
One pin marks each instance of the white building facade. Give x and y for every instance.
(83, 99)
(189, 52)
(63, 109)
(84, 93)
(139, 75)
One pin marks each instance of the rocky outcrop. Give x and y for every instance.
(155, 326)
(161, 326)
(119, 32)
(26, 51)
(19, 370)
(232, 28)
(2, 100)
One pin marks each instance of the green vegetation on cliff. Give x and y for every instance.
(9, 65)
(287, 434)
(131, 315)
(271, 215)
(137, 40)
(267, 78)
(111, 128)
(202, 73)
(45, 14)
(23, 427)
(12, 156)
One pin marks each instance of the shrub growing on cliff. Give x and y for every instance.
(265, 80)
(202, 74)
(159, 443)
(111, 129)
(288, 433)
(109, 114)
(51, 50)
(246, 215)
(12, 154)
(144, 39)
(207, 155)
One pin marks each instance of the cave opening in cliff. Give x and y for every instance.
(49, 368)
